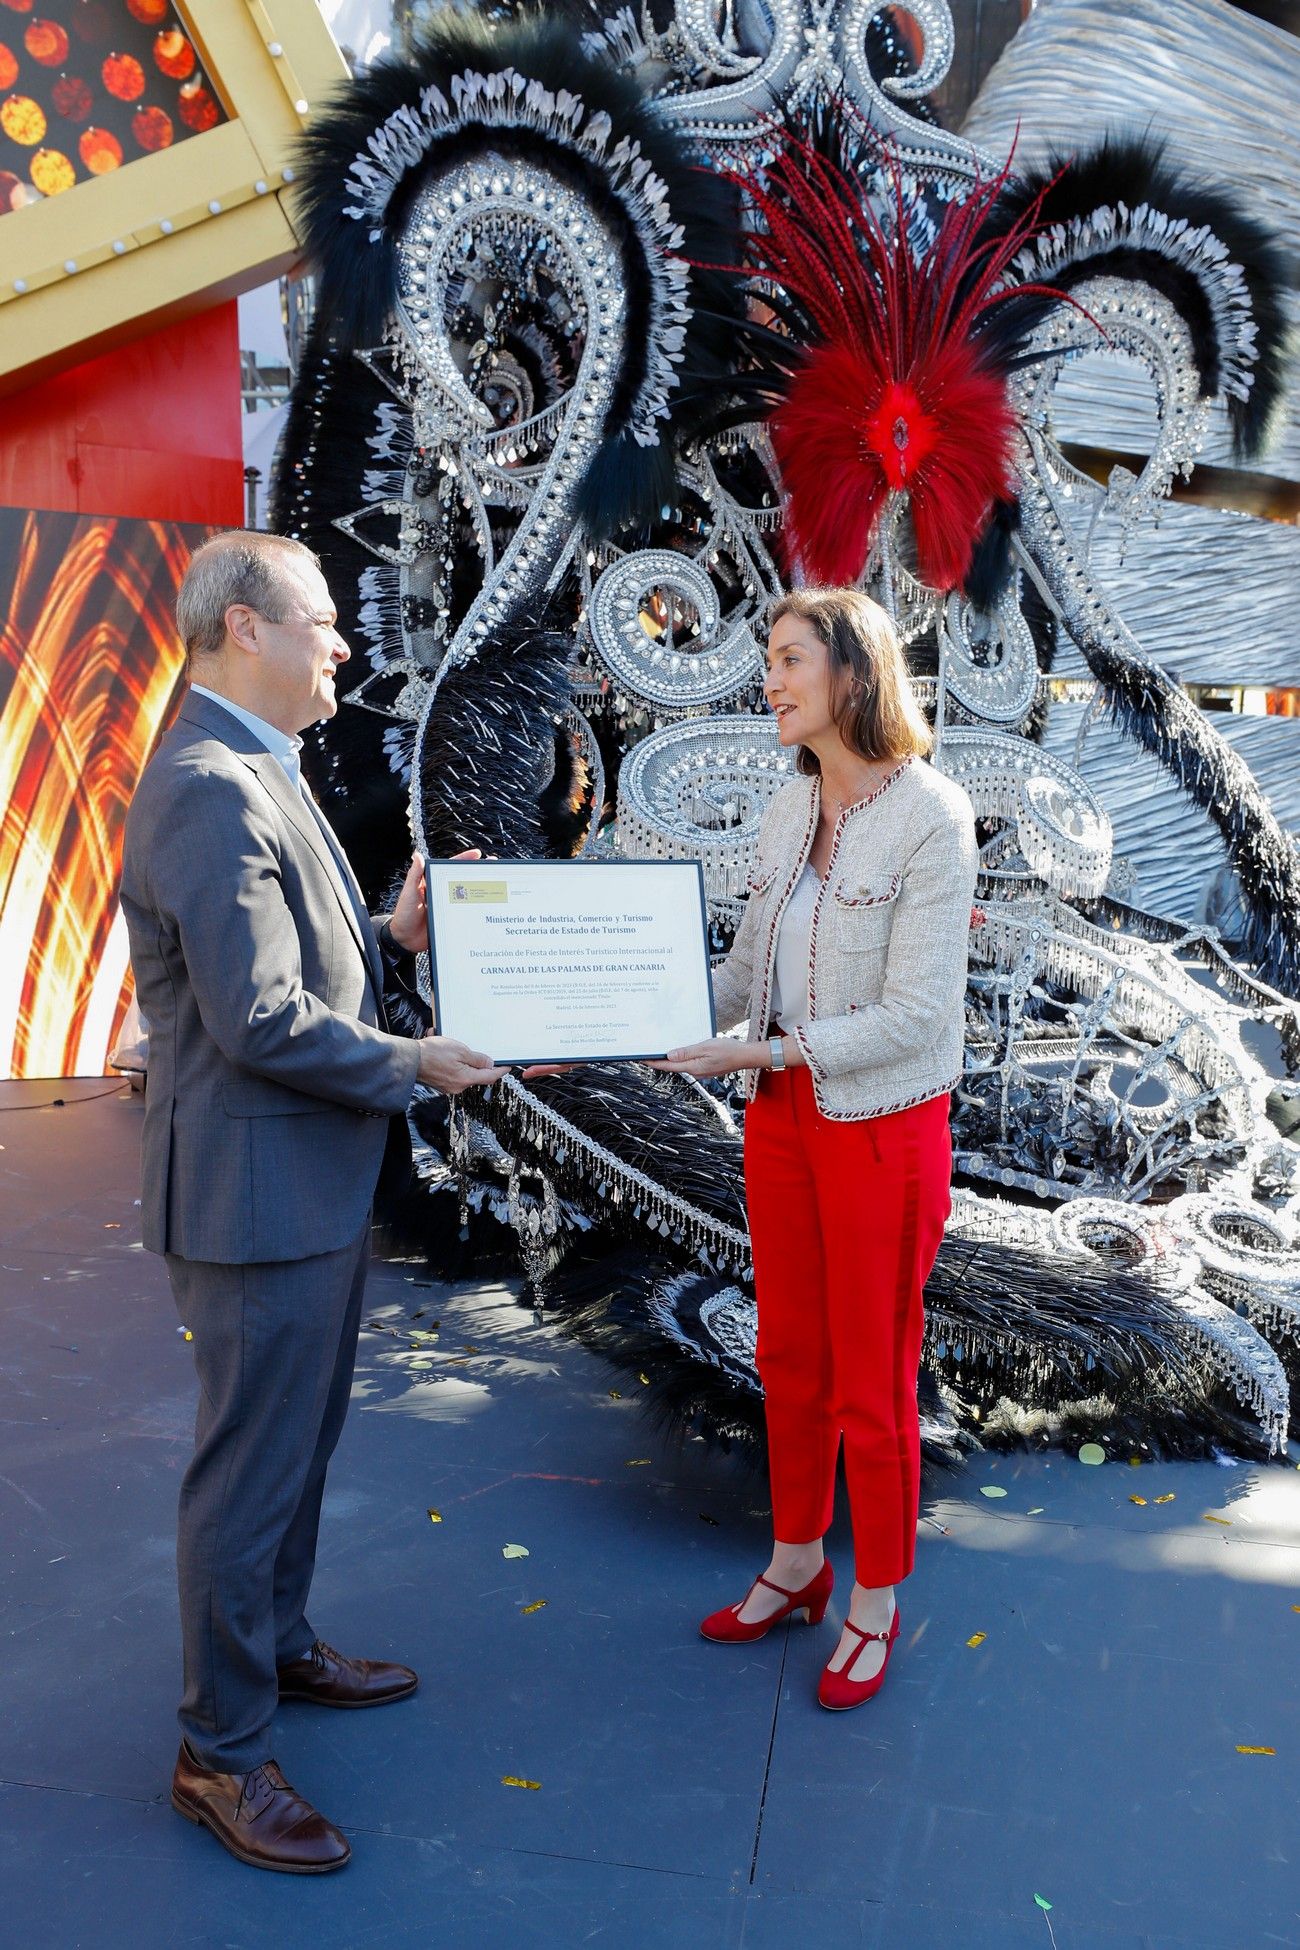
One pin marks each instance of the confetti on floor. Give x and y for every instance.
(1037, 1511)
(637, 1462)
(644, 1379)
(1137, 1499)
(977, 1638)
(435, 1516)
(614, 1395)
(1092, 1452)
(1168, 1497)
(1207, 1516)
(513, 1550)
(516, 1780)
(538, 1604)
(1257, 1750)
(1041, 1901)
(991, 1489)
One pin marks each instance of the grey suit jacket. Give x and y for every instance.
(271, 1076)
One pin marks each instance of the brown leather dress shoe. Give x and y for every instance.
(258, 1817)
(329, 1679)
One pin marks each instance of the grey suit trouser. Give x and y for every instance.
(274, 1345)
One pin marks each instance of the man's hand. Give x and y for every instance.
(409, 922)
(451, 1067)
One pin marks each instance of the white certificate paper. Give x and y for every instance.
(548, 961)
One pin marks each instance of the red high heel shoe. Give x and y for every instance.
(836, 1691)
(725, 1626)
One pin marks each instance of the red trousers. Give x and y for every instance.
(845, 1220)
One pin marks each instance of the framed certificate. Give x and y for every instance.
(569, 961)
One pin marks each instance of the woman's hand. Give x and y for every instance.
(409, 921)
(715, 1058)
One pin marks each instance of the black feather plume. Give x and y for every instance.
(1133, 170)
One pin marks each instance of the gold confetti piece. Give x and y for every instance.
(538, 1604)
(991, 1489)
(1168, 1497)
(515, 1780)
(188, 1335)
(644, 1379)
(513, 1550)
(637, 1462)
(614, 1395)
(1135, 1462)
(1137, 1499)
(1257, 1750)
(1092, 1452)
(112, 1225)
(977, 1639)
(1208, 1517)
(435, 1516)
(1295, 1607)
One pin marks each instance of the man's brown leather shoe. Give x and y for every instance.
(258, 1817)
(329, 1679)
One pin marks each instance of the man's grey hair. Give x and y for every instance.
(240, 566)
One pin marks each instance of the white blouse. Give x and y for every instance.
(790, 1004)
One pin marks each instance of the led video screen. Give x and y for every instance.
(90, 674)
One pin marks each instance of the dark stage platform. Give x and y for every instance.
(1088, 1750)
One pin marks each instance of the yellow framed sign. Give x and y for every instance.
(145, 152)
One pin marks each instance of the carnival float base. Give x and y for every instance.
(578, 1766)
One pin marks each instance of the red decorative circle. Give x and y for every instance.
(8, 73)
(47, 43)
(152, 128)
(174, 54)
(123, 77)
(151, 12)
(18, 6)
(91, 22)
(72, 98)
(100, 150)
(197, 108)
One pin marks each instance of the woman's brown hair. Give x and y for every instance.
(871, 693)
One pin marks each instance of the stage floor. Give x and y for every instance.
(688, 1796)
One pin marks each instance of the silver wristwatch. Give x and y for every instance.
(777, 1048)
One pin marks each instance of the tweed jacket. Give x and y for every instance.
(888, 942)
(271, 1076)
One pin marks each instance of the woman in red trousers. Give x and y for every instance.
(850, 965)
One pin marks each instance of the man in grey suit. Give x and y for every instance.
(272, 1079)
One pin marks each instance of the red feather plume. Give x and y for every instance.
(906, 388)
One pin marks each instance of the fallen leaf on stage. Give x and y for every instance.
(1042, 1902)
(513, 1550)
(1037, 1511)
(991, 1489)
(1092, 1452)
